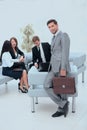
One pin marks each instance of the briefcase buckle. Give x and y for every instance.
(63, 86)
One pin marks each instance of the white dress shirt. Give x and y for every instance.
(42, 54)
(7, 60)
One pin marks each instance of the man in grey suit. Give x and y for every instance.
(59, 66)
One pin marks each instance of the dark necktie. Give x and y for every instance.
(38, 48)
(53, 41)
(53, 37)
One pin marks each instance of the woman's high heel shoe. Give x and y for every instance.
(22, 90)
(25, 89)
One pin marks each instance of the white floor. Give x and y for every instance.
(15, 111)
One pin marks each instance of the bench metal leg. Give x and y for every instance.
(6, 87)
(32, 105)
(6, 84)
(36, 100)
(82, 77)
(73, 104)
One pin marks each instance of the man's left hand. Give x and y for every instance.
(62, 72)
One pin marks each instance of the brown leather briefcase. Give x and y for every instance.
(64, 85)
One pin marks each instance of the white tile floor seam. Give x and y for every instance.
(15, 111)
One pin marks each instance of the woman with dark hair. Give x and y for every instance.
(16, 53)
(16, 50)
(8, 68)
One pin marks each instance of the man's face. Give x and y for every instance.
(53, 27)
(37, 43)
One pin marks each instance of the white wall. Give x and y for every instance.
(70, 14)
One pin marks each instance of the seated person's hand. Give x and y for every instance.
(36, 65)
(21, 59)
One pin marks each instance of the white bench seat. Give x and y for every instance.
(36, 81)
(4, 79)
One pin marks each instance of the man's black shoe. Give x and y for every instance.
(57, 114)
(66, 108)
(64, 111)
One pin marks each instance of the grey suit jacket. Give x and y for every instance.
(60, 52)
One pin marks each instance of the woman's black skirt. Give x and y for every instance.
(14, 73)
(19, 65)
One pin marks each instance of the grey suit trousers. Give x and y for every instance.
(60, 100)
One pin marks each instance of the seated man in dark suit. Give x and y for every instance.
(41, 52)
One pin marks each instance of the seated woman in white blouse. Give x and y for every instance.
(8, 67)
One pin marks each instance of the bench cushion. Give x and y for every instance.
(78, 59)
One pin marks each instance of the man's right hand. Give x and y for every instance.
(36, 65)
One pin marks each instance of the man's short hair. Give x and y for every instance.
(35, 38)
(51, 20)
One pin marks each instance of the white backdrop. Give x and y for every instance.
(70, 14)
